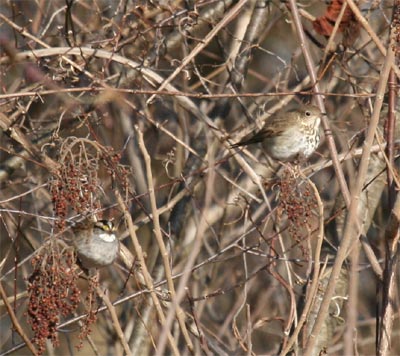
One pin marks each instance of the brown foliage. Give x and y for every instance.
(126, 111)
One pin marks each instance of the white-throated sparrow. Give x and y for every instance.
(96, 243)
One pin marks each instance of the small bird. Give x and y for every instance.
(96, 243)
(290, 135)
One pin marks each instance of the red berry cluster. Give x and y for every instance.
(91, 309)
(298, 202)
(75, 186)
(116, 170)
(59, 202)
(53, 293)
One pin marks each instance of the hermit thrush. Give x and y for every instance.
(290, 135)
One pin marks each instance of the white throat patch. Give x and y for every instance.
(107, 237)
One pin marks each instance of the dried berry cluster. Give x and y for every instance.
(298, 202)
(91, 309)
(75, 186)
(53, 293)
(116, 170)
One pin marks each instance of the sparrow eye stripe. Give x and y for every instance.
(110, 226)
(105, 225)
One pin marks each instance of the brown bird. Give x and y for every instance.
(289, 135)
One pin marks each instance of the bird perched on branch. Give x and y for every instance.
(288, 136)
(96, 243)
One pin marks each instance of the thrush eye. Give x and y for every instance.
(308, 113)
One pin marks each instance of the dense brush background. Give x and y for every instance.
(242, 232)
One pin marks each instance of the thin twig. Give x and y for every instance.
(115, 321)
(146, 274)
(15, 321)
(351, 232)
(325, 123)
(157, 232)
(390, 286)
(364, 23)
(198, 241)
(229, 16)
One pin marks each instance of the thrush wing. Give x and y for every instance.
(260, 136)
